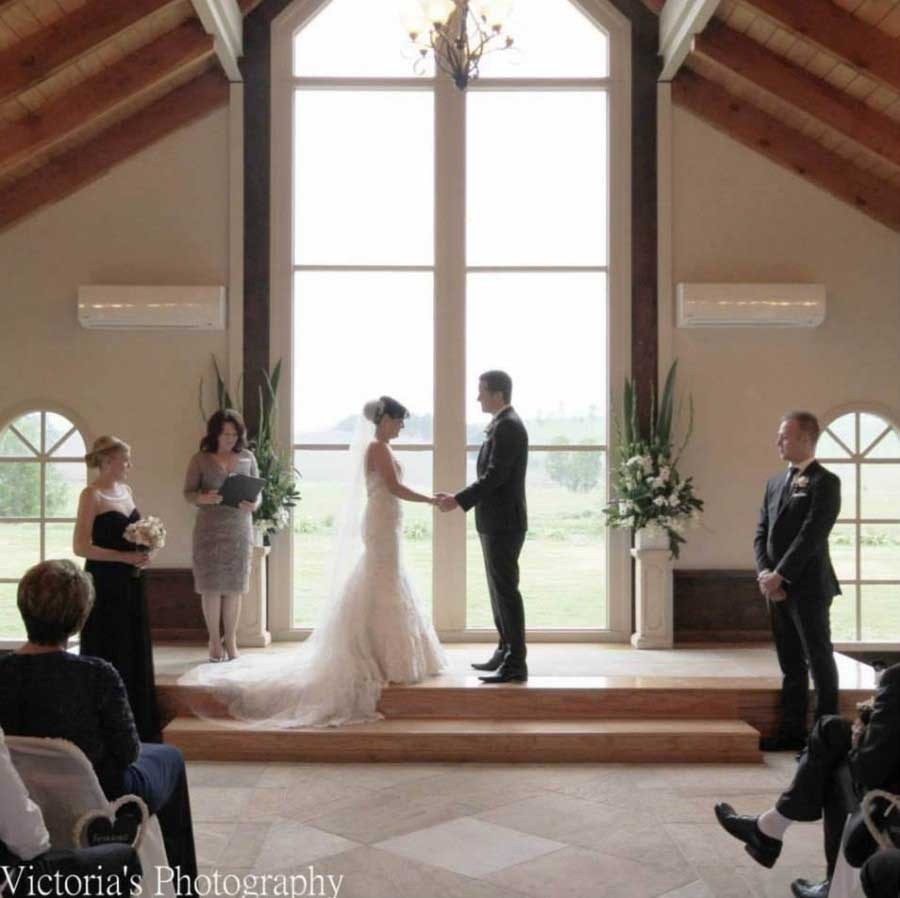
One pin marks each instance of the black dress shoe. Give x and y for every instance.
(803, 888)
(782, 742)
(507, 674)
(493, 664)
(762, 848)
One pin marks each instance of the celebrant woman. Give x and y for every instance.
(118, 627)
(223, 536)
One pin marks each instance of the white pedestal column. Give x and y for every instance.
(253, 622)
(654, 624)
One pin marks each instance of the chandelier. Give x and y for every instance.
(458, 33)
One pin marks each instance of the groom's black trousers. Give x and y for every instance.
(501, 564)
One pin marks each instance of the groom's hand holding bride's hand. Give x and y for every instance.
(446, 501)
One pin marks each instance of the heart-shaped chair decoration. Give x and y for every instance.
(122, 824)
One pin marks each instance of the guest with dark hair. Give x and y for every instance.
(796, 577)
(840, 764)
(118, 628)
(26, 855)
(47, 692)
(223, 536)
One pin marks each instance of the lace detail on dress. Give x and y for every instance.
(374, 634)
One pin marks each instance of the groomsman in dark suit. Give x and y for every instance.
(501, 517)
(796, 577)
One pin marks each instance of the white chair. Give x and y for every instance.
(62, 783)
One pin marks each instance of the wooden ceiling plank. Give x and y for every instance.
(78, 108)
(787, 147)
(74, 169)
(841, 33)
(39, 55)
(798, 87)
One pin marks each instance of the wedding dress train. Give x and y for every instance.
(374, 632)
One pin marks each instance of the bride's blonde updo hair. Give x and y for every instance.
(103, 448)
(376, 409)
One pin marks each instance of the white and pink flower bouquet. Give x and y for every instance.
(148, 533)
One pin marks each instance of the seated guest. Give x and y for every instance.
(840, 764)
(880, 874)
(46, 691)
(25, 852)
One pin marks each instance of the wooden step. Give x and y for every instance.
(635, 741)
(544, 698)
(451, 697)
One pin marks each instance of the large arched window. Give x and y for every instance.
(42, 472)
(863, 449)
(424, 235)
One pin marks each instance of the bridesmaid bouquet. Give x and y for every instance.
(147, 533)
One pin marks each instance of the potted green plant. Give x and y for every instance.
(652, 497)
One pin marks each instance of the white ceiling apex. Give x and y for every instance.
(679, 21)
(224, 21)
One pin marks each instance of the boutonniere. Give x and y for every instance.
(801, 483)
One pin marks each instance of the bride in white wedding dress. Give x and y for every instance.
(372, 630)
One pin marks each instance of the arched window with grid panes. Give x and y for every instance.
(863, 449)
(422, 235)
(42, 472)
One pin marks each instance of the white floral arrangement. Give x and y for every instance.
(279, 519)
(649, 488)
(652, 494)
(149, 532)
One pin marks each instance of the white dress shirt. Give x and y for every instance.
(21, 822)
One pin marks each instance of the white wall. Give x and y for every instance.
(159, 218)
(739, 217)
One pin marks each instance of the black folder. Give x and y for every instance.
(239, 488)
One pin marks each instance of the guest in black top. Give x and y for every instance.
(47, 692)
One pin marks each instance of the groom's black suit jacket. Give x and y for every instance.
(793, 530)
(499, 492)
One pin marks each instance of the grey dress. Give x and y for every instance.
(223, 536)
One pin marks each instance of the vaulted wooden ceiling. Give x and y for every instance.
(812, 84)
(85, 84)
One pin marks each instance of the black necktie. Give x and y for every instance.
(786, 488)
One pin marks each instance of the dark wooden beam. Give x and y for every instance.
(124, 82)
(788, 147)
(839, 32)
(75, 168)
(775, 74)
(30, 61)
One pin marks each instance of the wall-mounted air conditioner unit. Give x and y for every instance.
(751, 305)
(151, 308)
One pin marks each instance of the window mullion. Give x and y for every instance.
(449, 569)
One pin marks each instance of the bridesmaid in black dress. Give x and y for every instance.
(118, 628)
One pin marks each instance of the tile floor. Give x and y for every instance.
(486, 831)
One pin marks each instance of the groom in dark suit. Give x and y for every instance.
(501, 517)
(796, 577)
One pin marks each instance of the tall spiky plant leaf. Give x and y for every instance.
(666, 408)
